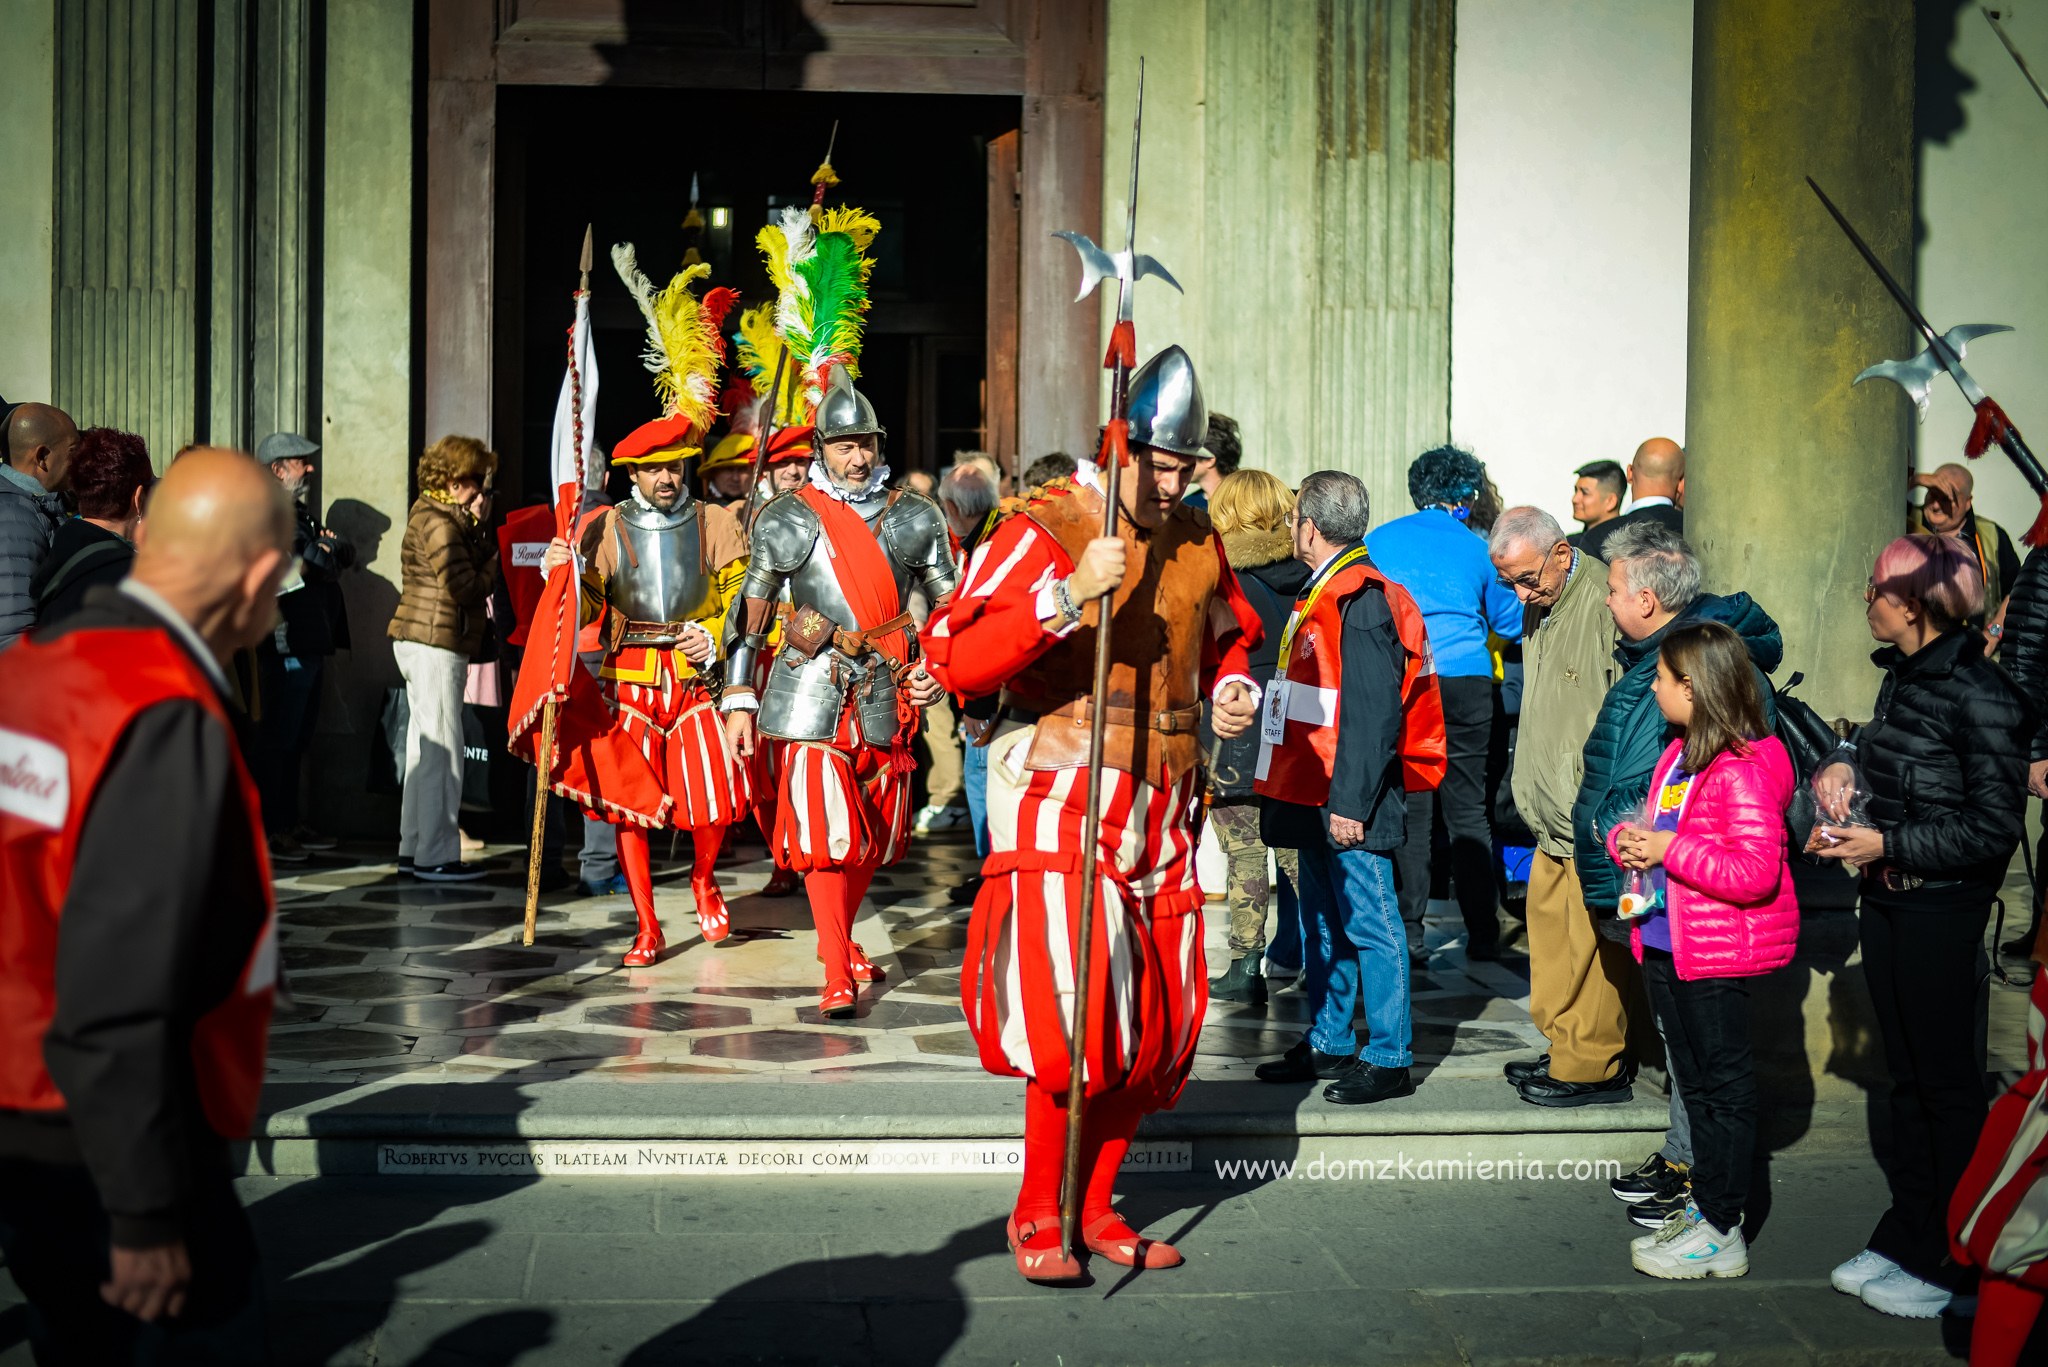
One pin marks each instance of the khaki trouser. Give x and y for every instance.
(1579, 981)
(943, 787)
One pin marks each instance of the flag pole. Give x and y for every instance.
(544, 756)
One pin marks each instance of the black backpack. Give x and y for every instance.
(1807, 739)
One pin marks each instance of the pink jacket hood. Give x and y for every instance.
(1728, 882)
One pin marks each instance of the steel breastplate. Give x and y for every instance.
(660, 575)
(805, 698)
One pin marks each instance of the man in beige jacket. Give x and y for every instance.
(1576, 996)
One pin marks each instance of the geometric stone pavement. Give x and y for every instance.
(393, 977)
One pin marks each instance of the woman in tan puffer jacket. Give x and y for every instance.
(450, 565)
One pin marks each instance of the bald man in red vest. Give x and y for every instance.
(138, 942)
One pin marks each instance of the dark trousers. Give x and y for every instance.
(55, 1234)
(1706, 1046)
(1921, 961)
(291, 700)
(1469, 705)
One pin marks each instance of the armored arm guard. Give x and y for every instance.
(918, 540)
(782, 538)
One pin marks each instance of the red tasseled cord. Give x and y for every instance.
(1123, 347)
(1116, 443)
(1991, 429)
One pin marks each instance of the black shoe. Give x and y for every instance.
(963, 895)
(1652, 1213)
(1483, 954)
(454, 871)
(1549, 1091)
(1367, 1083)
(1522, 1069)
(1653, 1177)
(1241, 982)
(1304, 1063)
(557, 880)
(405, 863)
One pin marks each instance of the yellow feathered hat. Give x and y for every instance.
(685, 347)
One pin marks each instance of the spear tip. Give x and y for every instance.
(584, 265)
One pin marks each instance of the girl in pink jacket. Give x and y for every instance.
(1715, 909)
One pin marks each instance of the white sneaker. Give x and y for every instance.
(1688, 1247)
(930, 819)
(1866, 1267)
(1899, 1292)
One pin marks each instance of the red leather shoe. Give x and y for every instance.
(647, 947)
(782, 883)
(1107, 1236)
(838, 999)
(863, 969)
(1036, 1247)
(713, 920)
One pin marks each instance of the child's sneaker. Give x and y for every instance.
(1866, 1267)
(1899, 1292)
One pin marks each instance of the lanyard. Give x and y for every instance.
(1308, 604)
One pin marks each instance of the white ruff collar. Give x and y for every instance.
(633, 492)
(824, 483)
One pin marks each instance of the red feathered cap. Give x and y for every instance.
(788, 444)
(651, 443)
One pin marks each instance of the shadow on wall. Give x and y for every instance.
(355, 685)
(1939, 86)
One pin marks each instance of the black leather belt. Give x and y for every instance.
(1894, 879)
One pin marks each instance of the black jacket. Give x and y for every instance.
(312, 621)
(1365, 782)
(1271, 588)
(164, 900)
(2025, 652)
(82, 556)
(1944, 761)
(1594, 540)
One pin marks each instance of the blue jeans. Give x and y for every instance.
(1354, 941)
(974, 777)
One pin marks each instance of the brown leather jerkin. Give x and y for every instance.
(1158, 623)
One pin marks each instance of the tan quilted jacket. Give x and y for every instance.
(450, 566)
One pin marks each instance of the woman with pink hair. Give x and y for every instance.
(1927, 802)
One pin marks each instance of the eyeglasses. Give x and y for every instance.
(1869, 591)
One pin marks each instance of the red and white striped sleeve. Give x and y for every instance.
(1234, 632)
(996, 624)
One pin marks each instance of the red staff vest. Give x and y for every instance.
(70, 703)
(1297, 768)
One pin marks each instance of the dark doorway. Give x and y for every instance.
(623, 160)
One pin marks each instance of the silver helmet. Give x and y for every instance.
(845, 411)
(1166, 404)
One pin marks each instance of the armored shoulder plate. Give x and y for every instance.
(783, 534)
(913, 531)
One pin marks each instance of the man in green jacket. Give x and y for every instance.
(1577, 978)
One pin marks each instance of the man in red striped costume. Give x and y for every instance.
(661, 571)
(1020, 626)
(844, 689)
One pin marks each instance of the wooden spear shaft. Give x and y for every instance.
(544, 757)
(1091, 853)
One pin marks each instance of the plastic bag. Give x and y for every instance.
(1642, 890)
(1836, 796)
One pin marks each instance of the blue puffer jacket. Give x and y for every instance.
(28, 521)
(1630, 733)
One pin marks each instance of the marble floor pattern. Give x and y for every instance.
(394, 977)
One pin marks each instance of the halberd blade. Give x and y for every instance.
(1142, 266)
(1914, 376)
(1097, 265)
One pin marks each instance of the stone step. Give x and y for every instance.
(357, 1129)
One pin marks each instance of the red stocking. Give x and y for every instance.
(2006, 1311)
(1107, 1128)
(832, 913)
(1045, 1154)
(633, 862)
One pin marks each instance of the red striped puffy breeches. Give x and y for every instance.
(1150, 979)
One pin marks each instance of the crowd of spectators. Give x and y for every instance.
(1437, 686)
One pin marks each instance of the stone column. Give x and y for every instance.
(28, 148)
(1794, 479)
(366, 369)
